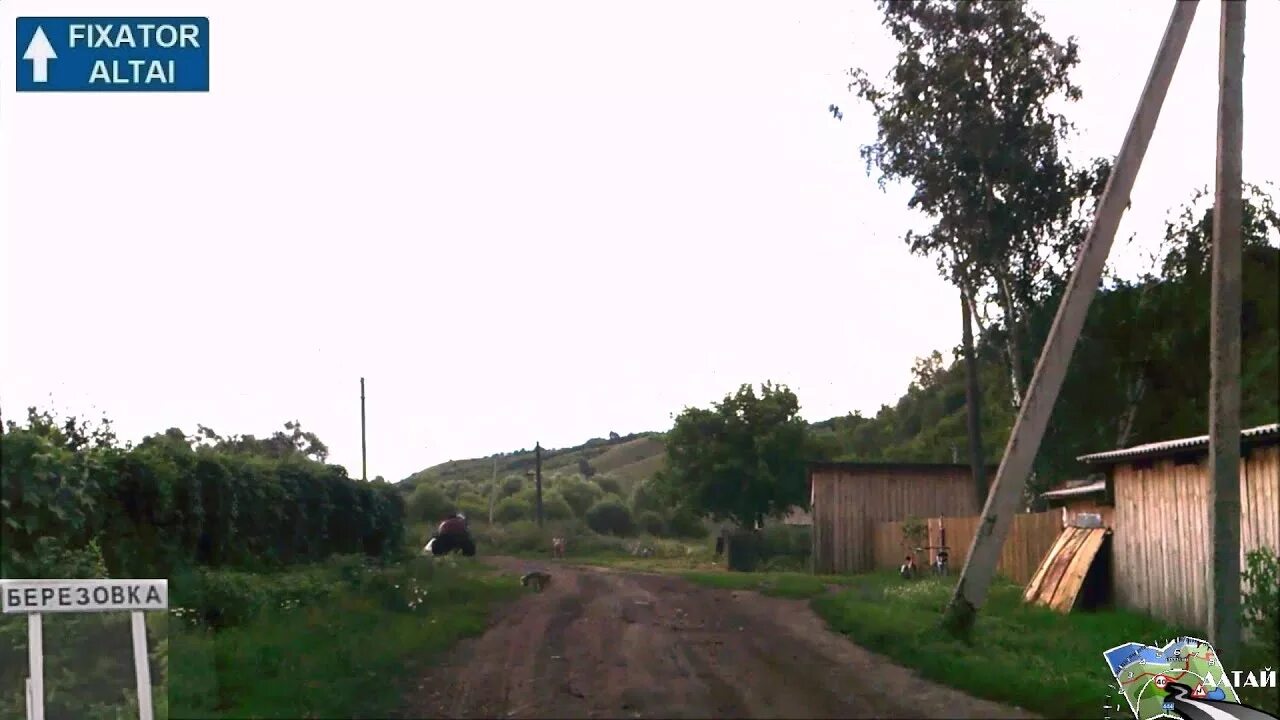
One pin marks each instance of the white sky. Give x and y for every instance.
(519, 221)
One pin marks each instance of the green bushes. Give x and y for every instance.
(686, 524)
(511, 509)
(164, 505)
(651, 522)
(556, 508)
(609, 485)
(1261, 604)
(580, 495)
(340, 653)
(610, 517)
(428, 503)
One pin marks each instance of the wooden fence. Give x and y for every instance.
(1030, 538)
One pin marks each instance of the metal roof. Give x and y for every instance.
(1255, 435)
(890, 466)
(1093, 487)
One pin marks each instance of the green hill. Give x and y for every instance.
(627, 458)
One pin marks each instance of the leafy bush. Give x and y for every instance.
(473, 506)
(429, 503)
(786, 541)
(580, 495)
(554, 507)
(510, 486)
(645, 497)
(1261, 604)
(609, 485)
(651, 522)
(511, 509)
(166, 505)
(686, 524)
(611, 517)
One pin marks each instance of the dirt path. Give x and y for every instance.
(600, 643)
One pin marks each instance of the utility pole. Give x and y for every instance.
(364, 457)
(1224, 343)
(493, 489)
(1037, 404)
(537, 477)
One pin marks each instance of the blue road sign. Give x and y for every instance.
(113, 54)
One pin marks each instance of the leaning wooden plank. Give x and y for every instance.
(1064, 598)
(1059, 567)
(1033, 587)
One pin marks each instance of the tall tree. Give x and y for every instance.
(742, 460)
(964, 119)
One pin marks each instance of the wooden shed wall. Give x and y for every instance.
(849, 502)
(1087, 505)
(1162, 530)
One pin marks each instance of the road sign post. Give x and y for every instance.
(34, 598)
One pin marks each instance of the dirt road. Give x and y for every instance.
(600, 643)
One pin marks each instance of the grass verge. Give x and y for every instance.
(348, 654)
(1022, 655)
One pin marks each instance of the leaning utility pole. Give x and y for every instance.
(537, 478)
(1224, 343)
(364, 465)
(1037, 404)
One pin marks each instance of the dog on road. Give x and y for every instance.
(536, 579)
(557, 547)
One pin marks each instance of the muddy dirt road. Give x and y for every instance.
(606, 644)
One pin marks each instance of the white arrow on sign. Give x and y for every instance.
(39, 52)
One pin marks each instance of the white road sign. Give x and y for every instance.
(53, 596)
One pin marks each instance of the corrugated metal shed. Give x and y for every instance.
(1096, 486)
(1261, 434)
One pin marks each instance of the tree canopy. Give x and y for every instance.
(742, 459)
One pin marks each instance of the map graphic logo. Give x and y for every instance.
(1183, 680)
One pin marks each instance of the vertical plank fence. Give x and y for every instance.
(1031, 536)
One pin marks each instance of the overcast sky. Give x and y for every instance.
(520, 221)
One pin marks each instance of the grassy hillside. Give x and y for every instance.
(632, 458)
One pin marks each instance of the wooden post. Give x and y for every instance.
(141, 665)
(364, 458)
(1037, 405)
(35, 664)
(1224, 344)
(537, 478)
(493, 490)
(972, 398)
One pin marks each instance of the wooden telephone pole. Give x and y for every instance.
(1036, 407)
(364, 464)
(1224, 343)
(537, 478)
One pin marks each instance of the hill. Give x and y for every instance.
(629, 459)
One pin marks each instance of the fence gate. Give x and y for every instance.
(33, 598)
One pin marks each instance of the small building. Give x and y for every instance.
(1086, 496)
(849, 499)
(1160, 521)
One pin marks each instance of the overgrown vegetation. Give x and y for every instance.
(334, 640)
(291, 591)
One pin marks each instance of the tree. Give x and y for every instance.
(610, 517)
(428, 504)
(580, 495)
(741, 460)
(965, 120)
